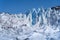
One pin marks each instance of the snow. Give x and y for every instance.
(20, 27)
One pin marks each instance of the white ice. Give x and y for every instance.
(20, 27)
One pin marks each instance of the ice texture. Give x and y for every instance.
(40, 24)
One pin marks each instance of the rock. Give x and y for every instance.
(56, 8)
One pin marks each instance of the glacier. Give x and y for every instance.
(35, 24)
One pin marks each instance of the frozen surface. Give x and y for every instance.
(37, 25)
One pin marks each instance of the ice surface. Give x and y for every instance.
(45, 25)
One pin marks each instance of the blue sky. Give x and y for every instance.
(16, 6)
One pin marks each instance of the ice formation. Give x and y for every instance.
(39, 24)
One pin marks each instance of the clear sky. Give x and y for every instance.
(16, 6)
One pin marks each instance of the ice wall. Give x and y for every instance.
(39, 24)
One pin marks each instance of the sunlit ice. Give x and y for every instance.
(39, 24)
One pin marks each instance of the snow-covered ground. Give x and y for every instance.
(20, 26)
